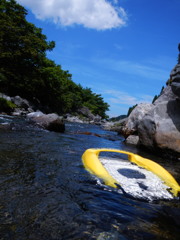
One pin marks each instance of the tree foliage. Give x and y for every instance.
(25, 69)
(6, 106)
(130, 109)
(157, 96)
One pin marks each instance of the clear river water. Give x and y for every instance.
(46, 194)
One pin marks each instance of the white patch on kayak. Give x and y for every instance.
(136, 181)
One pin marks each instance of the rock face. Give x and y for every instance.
(23, 106)
(175, 80)
(160, 128)
(132, 140)
(88, 114)
(131, 126)
(158, 124)
(51, 122)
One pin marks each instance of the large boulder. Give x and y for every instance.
(51, 122)
(160, 127)
(86, 113)
(23, 106)
(89, 116)
(131, 125)
(20, 102)
(166, 95)
(158, 124)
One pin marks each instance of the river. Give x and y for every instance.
(46, 194)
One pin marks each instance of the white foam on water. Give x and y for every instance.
(136, 181)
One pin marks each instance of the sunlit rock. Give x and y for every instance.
(51, 122)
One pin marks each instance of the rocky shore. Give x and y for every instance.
(52, 121)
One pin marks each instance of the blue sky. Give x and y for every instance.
(121, 49)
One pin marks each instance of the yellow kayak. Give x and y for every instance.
(94, 166)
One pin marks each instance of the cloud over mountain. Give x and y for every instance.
(94, 14)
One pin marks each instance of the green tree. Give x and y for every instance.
(22, 47)
(157, 96)
(130, 109)
(94, 102)
(26, 71)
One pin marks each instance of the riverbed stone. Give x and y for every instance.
(132, 140)
(51, 122)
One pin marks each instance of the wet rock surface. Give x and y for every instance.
(51, 122)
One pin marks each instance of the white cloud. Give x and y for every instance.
(134, 68)
(95, 14)
(120, 97)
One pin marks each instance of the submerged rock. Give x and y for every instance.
(5, 126)
(56, 126)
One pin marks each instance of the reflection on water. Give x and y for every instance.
(46, 194)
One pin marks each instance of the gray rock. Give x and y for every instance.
(20, 102)
(76, 119)
(137, 115)
(108, 125)
(2, 95)
(114, 126)
(131, 126)
(166, 95)
(56, 125)
(160, 128)
(132, 139)
(175, 80)
(89, 116)
(51, 122)
(97, 119)
(86, 112)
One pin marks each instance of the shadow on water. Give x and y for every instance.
(47, 194)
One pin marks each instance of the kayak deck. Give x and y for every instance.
(93, 164)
